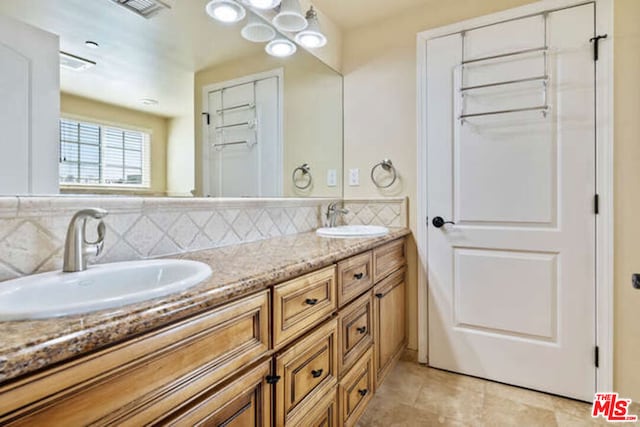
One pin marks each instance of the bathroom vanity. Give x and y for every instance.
(295, 330)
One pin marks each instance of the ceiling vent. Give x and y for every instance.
(75, 63)
(144, 8)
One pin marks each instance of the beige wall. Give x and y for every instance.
(627, 196)
(312, 116)
(379, 67)
(180, 155)
(89, 109)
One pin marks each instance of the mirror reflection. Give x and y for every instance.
(178, 103)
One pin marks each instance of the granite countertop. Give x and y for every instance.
(238, 270)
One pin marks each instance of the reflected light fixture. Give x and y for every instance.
(311, 37)
(281, 48)
(263, 4)
(257, 30)
(149, 101)
(290, 17)
(227, 11)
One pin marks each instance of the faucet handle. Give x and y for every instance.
(96, 248)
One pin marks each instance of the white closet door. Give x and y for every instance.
(244, 143)
(29, 109)
(511, 283)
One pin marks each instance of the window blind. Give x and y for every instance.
(93, 154)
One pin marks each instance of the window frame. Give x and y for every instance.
(147, 147)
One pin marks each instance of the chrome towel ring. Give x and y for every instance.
(305, 171)
(387, 166)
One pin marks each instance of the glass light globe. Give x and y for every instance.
(227, 11)
(281, 48)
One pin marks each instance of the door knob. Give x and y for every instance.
(438, 222)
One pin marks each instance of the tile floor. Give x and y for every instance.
(415, 395)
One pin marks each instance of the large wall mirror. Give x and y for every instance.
(179, 104)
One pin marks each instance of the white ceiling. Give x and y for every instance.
(138, 58)
(348, 14)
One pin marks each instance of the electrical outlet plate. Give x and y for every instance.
(354, 177)
(332, 178)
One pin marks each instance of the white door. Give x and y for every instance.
(243, 148)
(29, 109)
(512, 282)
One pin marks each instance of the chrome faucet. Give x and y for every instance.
(76, 247)
(332, 213)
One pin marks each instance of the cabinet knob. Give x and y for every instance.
(311, 301)
(362, 329)
(363, 392)
(272, 379)
(358, 276)
(316, 373)
(379, 296)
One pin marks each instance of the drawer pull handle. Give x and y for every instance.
(362, 329)
(316, 373)
(379, 296)
(311, 301)
(358, 276)
(363, 392)
(272, 379)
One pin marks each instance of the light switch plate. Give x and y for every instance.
(354, 177)
(332, 178)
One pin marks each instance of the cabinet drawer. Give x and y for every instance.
(355, 390)
(355, 276)
(355, 331)
(140, 380)
(307, 370)
(388, 258)
(301, 303)
(323, 414)
(244, 402)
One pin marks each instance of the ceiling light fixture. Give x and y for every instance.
(227, 11)
(312, 36)
(91, 44)
(290, 17)
(281, 48)
(257, 30)
(263, 4)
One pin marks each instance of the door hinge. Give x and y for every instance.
(596, 204)
(208, 116)
(596, 354)
(596, 43)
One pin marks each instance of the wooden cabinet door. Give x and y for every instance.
(302, 303)
(356, 389)
(143, 379)
(354, 277)
(246, 402)
(389, 317)
(355, 331)
(323, 414)
(307, 370)
(388, 258)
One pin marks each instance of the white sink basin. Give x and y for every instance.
(345, 231)
(99, 287)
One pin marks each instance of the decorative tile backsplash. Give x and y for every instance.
(32, 229)
(390, 212)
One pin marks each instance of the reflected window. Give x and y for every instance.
(97, 155)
